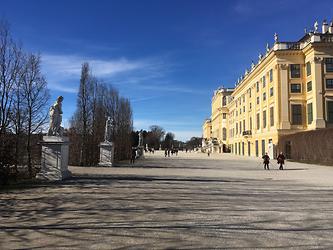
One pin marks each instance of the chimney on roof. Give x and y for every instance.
(324, 27)
(330, 29)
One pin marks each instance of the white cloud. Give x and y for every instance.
(62, 87)
(70, 65)
(63, 71)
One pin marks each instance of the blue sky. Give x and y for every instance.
(166, 56)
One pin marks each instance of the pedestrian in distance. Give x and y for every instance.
(266, 161)
(165, 152)
(168, 152)
(133, 155)
(208, 152)
(280, 160)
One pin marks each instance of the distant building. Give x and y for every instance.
(289, 90)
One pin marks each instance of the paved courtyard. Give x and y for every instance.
(189, 201)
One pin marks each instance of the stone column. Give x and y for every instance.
(276, 79)
(106, 154)
(317, 88)
(54, 165)
(284, 97)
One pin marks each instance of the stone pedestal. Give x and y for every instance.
(106, 154)
(140, 151)
(54, 162)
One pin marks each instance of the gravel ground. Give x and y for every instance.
(189, 201)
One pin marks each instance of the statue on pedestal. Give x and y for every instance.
(55, 148)
(140, 144)
(55, 113)
(108, 129)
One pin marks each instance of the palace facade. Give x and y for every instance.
(289, 90)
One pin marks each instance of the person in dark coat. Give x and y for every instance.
(266, 161)
(133, 154)
(280, 160)
(166, 152)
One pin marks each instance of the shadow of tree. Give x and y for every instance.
(144, 212)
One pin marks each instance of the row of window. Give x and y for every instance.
(241, 125)
(295, 72)
(264, 97)
(264, 118)
(297, 87)
(294, 88)
(263, 79)
(295, 69)
(297, 114)
(239, 148)
(296, 117)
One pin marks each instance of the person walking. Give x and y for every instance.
(266, 161)
(208, 152)
(166, 152)
(133, 155)
(280, 160)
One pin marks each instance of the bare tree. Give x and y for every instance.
(23, 101)
(19, 118)
(10, 64)
(97, 101)
(84, 111)
(124, 127)
(155, 135)
(36, 97)
(168, 140)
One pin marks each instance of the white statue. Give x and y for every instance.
(56, 118)
(140, 138)
(260, 56)
(252, 65)
(315, 26)
(267, 47)
(108, 129)
(276, 37)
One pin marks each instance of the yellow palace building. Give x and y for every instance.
(290, 89)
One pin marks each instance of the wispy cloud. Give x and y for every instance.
(86, 45)
(143, 99)
(70, 65)
(172, 88)
(63, 73)
(243, 7)
(62, 87)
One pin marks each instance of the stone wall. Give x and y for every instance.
(315, 146)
